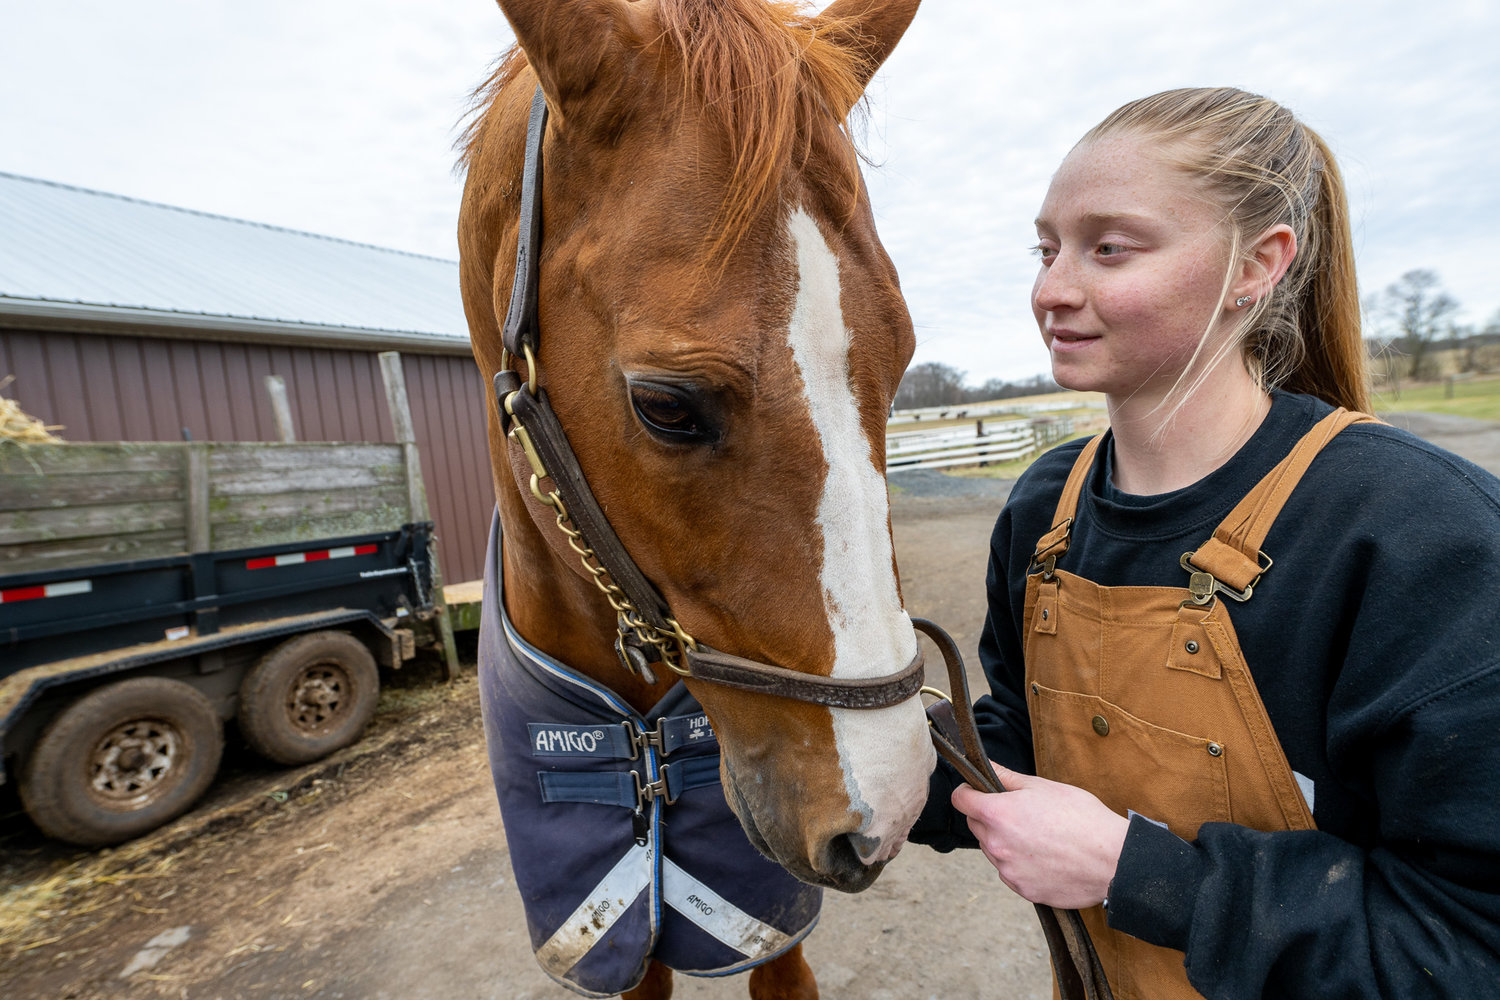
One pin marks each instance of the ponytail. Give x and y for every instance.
(1335, 362)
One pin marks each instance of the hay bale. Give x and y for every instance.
(17, 425)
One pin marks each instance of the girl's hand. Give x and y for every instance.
(1052, 843)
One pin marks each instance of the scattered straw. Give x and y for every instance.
(268, 897)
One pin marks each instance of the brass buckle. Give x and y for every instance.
(1048, 564)
(1202, 586)
(530, 385)
(505, 359)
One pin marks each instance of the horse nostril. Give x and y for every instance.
(842, 853)
(866, 848)
(842, 867)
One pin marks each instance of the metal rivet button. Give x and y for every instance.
(1101, 725)
(1192, 646)
(1044, 614)
(1035, 689)
(1214, 750)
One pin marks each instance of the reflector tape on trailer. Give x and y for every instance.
(47, 590)
(293, 558)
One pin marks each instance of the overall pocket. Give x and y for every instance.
(1179, 779)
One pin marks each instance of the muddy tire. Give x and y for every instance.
(122, 760)
(308, 697)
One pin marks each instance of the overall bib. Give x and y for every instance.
(1142, 695)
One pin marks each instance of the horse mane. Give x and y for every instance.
(770, 76)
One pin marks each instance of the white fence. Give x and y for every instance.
(936, 449)
(985, 441)
(961, 411)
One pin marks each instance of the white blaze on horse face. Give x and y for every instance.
(886, 754)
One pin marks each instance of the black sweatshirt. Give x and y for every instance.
(1374, 641)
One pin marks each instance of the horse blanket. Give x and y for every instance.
(621, 842)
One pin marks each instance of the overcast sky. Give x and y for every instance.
(338, 117)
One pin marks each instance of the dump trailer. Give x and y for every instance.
(151, 593)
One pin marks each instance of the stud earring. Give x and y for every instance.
(1243, 301)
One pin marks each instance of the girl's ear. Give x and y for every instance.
(1270, 256)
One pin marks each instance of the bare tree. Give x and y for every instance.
(930, 384)
(996, 388)
(1416, 312)
(935, 384)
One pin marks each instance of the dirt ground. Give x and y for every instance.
(382, 872)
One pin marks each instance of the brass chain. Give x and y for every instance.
(671, 646)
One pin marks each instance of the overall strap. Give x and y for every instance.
(1233, 555)
(1054, 543)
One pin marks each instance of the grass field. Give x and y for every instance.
(997, 470)
(1477, 397)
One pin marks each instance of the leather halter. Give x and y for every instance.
(646, 623)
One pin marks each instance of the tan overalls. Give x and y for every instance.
(1142, 695)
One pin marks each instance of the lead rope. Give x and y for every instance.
(1075, 963)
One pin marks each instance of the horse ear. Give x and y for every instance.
(870, 28)
(569, 42)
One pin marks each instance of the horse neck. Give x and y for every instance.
(562, 613)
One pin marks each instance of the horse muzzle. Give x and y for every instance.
(833, 862)
(819, 830)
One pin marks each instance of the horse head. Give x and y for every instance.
(722, 336)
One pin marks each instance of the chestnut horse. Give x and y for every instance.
(721, 336)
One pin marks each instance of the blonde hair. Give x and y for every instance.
(1266, 168)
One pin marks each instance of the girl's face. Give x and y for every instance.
(1134, 259)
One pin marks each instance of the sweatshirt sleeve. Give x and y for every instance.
(1307, 914)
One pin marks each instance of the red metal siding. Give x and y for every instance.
(448, 413)
(122, 388)
(130, 380)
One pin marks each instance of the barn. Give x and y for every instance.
(124, 320)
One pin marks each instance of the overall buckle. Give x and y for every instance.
(1202, 586)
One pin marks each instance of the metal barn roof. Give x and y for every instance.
(81, 259)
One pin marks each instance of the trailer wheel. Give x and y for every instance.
(122, 760)
(308, 697)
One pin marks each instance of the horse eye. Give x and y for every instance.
(670, 415)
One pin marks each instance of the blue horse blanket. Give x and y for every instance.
(622, 845)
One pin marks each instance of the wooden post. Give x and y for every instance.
(276, 388)
(396, 399)
(394, 377)
(199, 538)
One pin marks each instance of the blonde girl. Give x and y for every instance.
(1242, 648)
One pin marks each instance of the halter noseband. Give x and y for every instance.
(647, 631)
